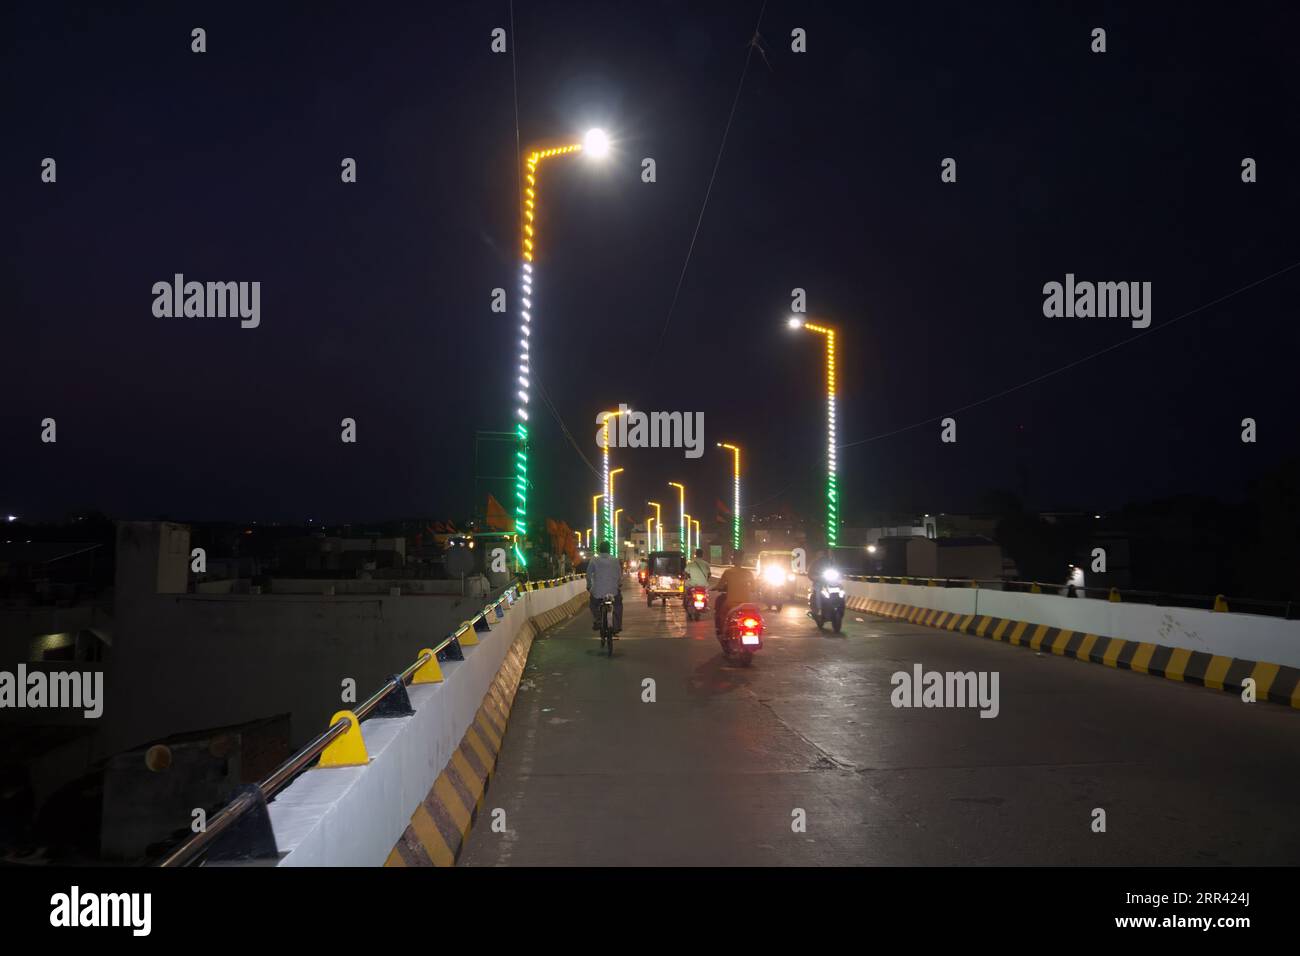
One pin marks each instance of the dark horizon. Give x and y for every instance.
(1123, 166)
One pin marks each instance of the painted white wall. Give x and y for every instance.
(354, 816)
(1249, 636)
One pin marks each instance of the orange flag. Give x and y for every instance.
(497, 519)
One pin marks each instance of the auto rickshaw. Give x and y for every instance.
(665, 576)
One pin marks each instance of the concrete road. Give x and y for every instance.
(719, 768)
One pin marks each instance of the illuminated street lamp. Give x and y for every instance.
(609, 494)
(735, 493)
(595, 524)
(649, 534)
(832, 481)
(596, 144)
(613, 530)
(659, 523)
(681, 514)
(687, 519)
(697, 532)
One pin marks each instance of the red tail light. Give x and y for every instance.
(699, 601)
(749, 623)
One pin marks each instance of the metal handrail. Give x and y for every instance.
(299, 762)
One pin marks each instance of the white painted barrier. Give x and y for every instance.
(353, 816)
(1246, 636)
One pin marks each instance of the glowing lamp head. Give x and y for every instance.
(794, 322)
(596, 144)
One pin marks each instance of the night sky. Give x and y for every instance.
(225, 166)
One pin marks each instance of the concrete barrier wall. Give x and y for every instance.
(1244, 636)
(353, 816)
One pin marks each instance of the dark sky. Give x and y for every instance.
(375, 296)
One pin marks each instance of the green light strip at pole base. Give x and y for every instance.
(832, 514)
(521, 491)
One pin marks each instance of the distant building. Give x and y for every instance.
(317, 554)
(915, 556)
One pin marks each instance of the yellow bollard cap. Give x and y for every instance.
(349, 749)
(429, 672)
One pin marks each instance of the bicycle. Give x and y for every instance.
(607, 625)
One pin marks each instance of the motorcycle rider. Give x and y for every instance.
(822, 563)
(605, 577)
(735, 587)
(697, 575)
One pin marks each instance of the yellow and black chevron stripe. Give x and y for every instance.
(441, 823)
(1276, 682)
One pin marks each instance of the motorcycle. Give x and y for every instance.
(641, 575)
(828, 601)
(773, 587)
(742, 634)
(697, 601)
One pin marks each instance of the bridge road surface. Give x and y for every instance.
(711, 772)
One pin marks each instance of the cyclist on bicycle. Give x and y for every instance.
(605, 579)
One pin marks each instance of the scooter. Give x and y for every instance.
(772, 587)
(828, 601)
(697, 601)
(742, 634)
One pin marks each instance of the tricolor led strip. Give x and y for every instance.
(524, 380)
(832, 481)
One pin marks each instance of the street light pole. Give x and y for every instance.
(596, 145)
(832, 479)
(609, 491)
(687, 520)
(735, 493)
(659, 523)
(613, 549)
(681, 514)
(595, 527)
(617, 546)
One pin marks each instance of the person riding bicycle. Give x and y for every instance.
(605, 579)
(697, 574)
(735, 587)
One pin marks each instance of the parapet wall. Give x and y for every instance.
(1227, 634)
(355, 816)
